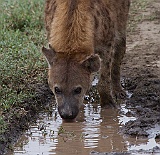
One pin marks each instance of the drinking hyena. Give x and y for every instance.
(85, 36)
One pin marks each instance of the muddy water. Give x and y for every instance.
(95, 130)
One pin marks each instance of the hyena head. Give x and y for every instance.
(69, 80)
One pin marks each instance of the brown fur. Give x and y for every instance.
(77, 30)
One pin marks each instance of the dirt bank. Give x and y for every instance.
(19, 118)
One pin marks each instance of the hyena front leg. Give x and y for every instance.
(104, 84)
(119, 51)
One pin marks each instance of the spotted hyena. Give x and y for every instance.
(85, 36)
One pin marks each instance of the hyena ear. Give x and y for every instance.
(92, 63)
(49, 54)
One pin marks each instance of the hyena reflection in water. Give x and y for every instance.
(85, 36)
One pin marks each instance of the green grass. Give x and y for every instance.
(21, 38)
(2, 126)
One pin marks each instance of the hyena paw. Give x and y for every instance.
(108, 103)
(120, 94)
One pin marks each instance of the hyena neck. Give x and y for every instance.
(72, 27)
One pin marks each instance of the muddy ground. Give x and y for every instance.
(141, 74)
(141, 71)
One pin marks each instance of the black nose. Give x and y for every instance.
(68, 113)
(68, 116)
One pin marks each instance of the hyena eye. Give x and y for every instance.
(57, 90)
(77, 90)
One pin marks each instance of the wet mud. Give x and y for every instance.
(146, 103)
(141, 127)
(19, 118)
(141, 68)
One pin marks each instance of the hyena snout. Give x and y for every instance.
(68, 112)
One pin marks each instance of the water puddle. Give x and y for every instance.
(96, 129)
(148, 144)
